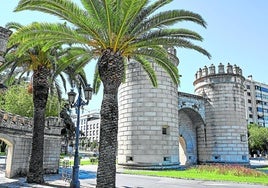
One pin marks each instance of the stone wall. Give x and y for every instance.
(16, 131)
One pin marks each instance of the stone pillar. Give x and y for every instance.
(148, 119)
(226, 126)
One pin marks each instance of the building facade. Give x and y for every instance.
(89, 125)
(256, 95)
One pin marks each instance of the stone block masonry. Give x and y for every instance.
(16, 132)
(225, 113)
(161, 127)
(148, 119)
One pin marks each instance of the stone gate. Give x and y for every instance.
(191, 115)
(16, 132)
(163, 128)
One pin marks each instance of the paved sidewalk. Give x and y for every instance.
(53, 180)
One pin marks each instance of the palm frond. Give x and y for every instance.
(166, 33)
(64, 9)
(129, 10)
(162, 60)
(168, 18)
(49, 34)
(172, 41)
(147, 10)
(147, 67)
(96, 81)
(13, 25)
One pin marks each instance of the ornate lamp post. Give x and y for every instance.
(75, 183)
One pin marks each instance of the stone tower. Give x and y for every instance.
(4, 35)
(148, 119)
(226, 127)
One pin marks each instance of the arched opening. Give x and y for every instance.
(6, 160)
(3, 152)
(182, 149)
(191, 135)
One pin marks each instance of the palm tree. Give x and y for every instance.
(44, 67)
(114, 32)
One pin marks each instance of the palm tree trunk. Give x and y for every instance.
(40, 95)
(111, 70)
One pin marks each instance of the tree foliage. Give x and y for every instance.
(258, 138)
(17, 100)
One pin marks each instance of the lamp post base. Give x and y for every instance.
(75, 183)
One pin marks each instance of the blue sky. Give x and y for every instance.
(236, 33)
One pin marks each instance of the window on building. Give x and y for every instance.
(243, 138)
(248, 86)
(248, 93)
(264, 89)
(259, 109)
(129, 158)
(166, 159)
(250, 116)
(249, 101)
(258, 102)
(165, 129)
(250, 109)
(217, 157)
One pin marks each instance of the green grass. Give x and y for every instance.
(265, 168)
(90, 161)
(231, 173)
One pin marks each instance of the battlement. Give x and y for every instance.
(211, 70)
(19, 122)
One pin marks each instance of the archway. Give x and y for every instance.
(191, 135)
(182, 149)
(3, 148)
(9, 154)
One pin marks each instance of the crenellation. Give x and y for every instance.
(204, 71)
(18, 122)
(212, 69)
(211, 73)
(221, 69)
(229, 69)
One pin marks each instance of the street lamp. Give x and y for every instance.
(75, 183)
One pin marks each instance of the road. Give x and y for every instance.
(88, 180)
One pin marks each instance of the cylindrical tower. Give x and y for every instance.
(148, 119)
(226, 127)
(4, 35)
